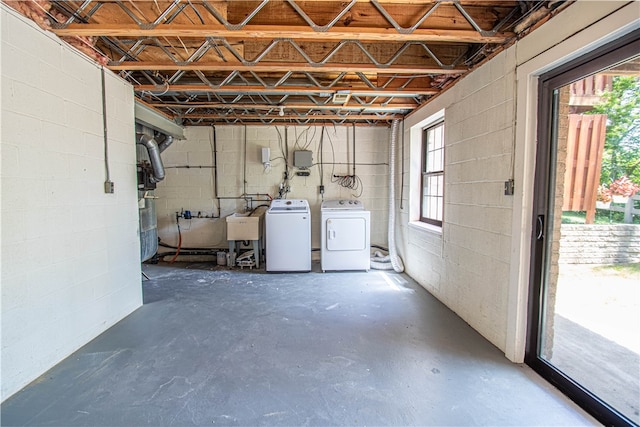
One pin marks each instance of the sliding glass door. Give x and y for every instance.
(584, 316)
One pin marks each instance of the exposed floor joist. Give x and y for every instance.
(191, 59)
(282, 90)
(282, 67)
(264, 32)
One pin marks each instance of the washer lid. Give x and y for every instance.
(341, 205)
(289, 206)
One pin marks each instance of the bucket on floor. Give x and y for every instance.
(222, 258)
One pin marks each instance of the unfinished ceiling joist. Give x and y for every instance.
(282, 67)
(283, 90)
(264, 32)
(292, 107)
(288, 117)
(200, 62)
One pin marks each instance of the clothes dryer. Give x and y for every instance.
(345, 235)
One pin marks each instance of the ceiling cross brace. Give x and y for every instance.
(128, 11)
(76, 14)
(162, 16)
(395, 24)
(179, 11)
(212, 10)
(312, 24)
(471, 21)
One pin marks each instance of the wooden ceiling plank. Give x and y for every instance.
(268, 32)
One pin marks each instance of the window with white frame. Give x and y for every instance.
(432, 187)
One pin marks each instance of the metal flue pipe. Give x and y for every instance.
(154, 156)
(165, 143)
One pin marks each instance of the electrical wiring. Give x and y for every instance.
(333, 154)
(321, 164)
(308, 140)
(283, 144)
(352, 181)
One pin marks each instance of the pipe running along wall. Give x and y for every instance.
(393, 261)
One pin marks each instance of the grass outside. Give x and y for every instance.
(624, 270)
(603, 216)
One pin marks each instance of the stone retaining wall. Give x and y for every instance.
(599, 244)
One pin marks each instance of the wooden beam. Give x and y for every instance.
(290, 107)
(289, 117)
(283, 90)
(484, 3)
(267, 67)
(380, 123)
(266, 32)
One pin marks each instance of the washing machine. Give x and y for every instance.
(288, 235)
(345, 234)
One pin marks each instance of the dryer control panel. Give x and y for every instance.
(342, 204)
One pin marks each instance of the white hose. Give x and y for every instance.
(395, 261)
(379, 261)
(381, 265)
(379, 257)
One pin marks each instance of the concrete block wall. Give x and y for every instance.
(193, 188)
(70, 260)
(599, 244)
(466, 263)
(478, 264)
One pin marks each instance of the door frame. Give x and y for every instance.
(590, 63)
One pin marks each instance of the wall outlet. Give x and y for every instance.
(266, 153)
(109, 187)
(509, 188)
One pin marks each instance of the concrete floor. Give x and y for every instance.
(213, 346)
(606, 368)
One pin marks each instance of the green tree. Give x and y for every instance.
(622, 146)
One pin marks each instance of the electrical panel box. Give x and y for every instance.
(302, 159)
